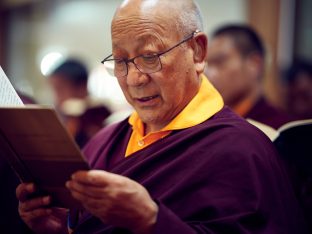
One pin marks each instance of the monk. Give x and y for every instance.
(82, 115)
(236, 67)
(182, 162)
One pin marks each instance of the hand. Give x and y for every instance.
(115, 199)
(36, 213)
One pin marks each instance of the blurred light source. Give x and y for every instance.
(49, 61)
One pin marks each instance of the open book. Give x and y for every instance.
(293, 140)
(37, 146)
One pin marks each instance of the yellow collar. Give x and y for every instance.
(205, 104)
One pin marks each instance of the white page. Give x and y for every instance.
(8, 95)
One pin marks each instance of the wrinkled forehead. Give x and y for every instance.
(141, 29)
(145, 16)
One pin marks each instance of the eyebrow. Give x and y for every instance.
(143, 41)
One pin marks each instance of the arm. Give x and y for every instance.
(233, 198)
(37, 215)
(121, 202)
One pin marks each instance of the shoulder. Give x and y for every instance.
(234, 136)
(226, 121)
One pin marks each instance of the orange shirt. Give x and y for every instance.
(205, 104)
(244, 107)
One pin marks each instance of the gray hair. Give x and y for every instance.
(184, 16)
(189, 18)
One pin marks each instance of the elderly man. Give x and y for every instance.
(182, 163)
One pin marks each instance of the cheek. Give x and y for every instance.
(178, 88)
(61, 93)
(124, 87)
(232, 71)
(171, 82)
(235, 78)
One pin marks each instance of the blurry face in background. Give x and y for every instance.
(228, 70)
(63, 89)
(300, 95)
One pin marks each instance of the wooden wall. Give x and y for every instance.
(263, 15)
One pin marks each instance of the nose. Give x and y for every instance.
(135, 77)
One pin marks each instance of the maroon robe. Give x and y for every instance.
(221, 176)
(264, 112)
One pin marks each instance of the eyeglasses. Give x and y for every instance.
(146, 64)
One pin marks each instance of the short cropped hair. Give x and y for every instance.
(73, 71)
(190, 18)
(245, 38)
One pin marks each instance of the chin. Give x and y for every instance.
(148, 119)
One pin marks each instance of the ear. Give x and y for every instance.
(200, 51)
(255, 65)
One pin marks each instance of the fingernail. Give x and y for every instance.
(30, 187)
(67, 184)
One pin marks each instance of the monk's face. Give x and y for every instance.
(228, 70)
(63, 89)
(299, 98)
(160, 96)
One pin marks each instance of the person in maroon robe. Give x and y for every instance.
(82, 115)
(236, 66)
(298, 84)
(182, 163)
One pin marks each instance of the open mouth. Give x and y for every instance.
(146, 99)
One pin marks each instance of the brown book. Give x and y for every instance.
(39, 149)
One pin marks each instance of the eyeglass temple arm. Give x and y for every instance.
(106, 58)
(185, 40)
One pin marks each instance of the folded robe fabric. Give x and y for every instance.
(221, 176)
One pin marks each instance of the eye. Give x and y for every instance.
(119, 63)
(148, 59)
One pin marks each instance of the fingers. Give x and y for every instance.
(24, 190)
(114, 199)
(35, 214)
(90, 198)
(32, 209)
(32, 204)
(90, 191)
(94, 177)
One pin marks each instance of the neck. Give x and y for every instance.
(148, 128)
(244, 105)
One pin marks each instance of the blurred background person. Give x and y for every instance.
(298, 102)
(298, 83)
(236, 66)
(83, 116)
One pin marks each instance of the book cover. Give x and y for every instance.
(293, 141)
(39, 149)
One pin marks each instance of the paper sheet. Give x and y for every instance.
(8, 95)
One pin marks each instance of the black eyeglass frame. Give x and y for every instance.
(127, 61)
